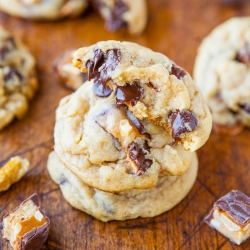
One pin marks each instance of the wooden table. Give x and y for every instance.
(175, 28)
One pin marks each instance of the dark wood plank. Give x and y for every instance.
(175, 28)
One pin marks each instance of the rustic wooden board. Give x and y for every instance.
(175, 28)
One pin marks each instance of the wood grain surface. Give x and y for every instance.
(175, 28)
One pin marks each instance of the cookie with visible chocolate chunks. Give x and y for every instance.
(109, 148)
(222, 70)
(118, 14)
(130, 204)
(18, 81)
(151, 86)
(43, 9)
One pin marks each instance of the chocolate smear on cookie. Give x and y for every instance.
(182, 121)
(243, 54)
(128, 93)
(100, 68)
(177, 71)
(137, 155)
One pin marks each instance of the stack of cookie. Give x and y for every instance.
(125, 141)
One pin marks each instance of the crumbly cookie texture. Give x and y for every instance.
(12, 172)
(222, 71)
(69, 75)
(151, 86)
(123, 13)
(18, 81)
(131, 204)
(43, 9)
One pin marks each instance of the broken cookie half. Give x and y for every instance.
(26, 227)
(231, 216)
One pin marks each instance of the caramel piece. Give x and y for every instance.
(13, 171)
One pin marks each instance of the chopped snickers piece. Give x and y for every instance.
(26, 227)
(69, 76)
(12, 172)
(231, 216)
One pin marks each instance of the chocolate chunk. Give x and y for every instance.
(3, 52)
(137, 155)
(237, 205)
(101, 90)
(182, 121)
(30, 224)
(177, 71)
(150, 85)
(11, 73)
(136, 122)
(115, 20)
(243, 55)
(246, 108)
(100, 68)
(128, 93)
(62, 180)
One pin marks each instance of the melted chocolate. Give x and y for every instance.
(100, 68)
(182, 121)
(115, 20)
(11, 73)
(243, 55)
(237, 205)
(138, 157)
(101, 90)
(128, 93)
(177, 71)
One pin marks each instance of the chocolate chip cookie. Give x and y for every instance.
(43, 9)
(130, 204)
(222, 71)
(18, 81)
(136, 120)
(123, 14)
(151, 86)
